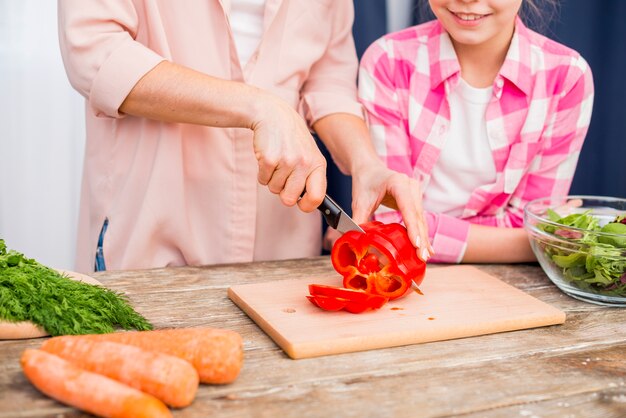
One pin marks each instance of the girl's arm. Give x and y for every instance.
(489, 244)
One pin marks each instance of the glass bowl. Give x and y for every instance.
(583, 256)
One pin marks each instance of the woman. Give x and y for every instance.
(198, 112)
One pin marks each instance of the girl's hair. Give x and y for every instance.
(539, 14)
(536, 14)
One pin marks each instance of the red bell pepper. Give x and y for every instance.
(381, 261)
(377, 265)
(332, 298)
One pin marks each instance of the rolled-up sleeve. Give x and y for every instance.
(102, 59)
(447, 234)
(331, 85)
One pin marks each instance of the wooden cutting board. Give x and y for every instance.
(26, 329)
(458, 301)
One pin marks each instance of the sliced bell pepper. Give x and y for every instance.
(327, 303)
(343, 293)
(332, 298)
(380, 261)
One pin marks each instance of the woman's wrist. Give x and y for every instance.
(365, 163)
(263, 107)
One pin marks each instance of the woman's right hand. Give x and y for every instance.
(289, 160)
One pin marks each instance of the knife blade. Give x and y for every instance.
(336, 217)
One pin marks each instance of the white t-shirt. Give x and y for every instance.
(246, 23)
(466, 161)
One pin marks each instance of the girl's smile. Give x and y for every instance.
(468, 19)
(484, 23)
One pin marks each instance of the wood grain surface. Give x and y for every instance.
(573, 370)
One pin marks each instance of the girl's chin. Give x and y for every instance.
(464, 38)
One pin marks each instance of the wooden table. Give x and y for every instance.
(573, 370)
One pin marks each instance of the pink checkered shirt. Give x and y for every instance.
(536, 122)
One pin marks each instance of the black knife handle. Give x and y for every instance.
(330, 210)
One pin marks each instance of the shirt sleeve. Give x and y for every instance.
(386, 104)
(331, 84)
(551, 171)
(102, 60)
(448, 235)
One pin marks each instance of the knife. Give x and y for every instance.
(338, 219)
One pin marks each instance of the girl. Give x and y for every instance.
(485, 113)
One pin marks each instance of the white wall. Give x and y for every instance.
(41, 136)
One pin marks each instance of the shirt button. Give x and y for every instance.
(499, 83)
(442, 129)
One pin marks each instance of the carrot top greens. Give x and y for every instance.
(30, 291)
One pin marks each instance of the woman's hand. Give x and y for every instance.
(289, 160)
(375, 184)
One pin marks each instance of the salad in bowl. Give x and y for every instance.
(580, 242)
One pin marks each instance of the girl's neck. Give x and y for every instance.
(481, 63)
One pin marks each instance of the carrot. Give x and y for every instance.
(88, 391)
(217, 354)
(168, 378)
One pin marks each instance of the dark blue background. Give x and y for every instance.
(597, 30)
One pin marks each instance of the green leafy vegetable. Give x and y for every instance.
(30, 291)
(592, 262)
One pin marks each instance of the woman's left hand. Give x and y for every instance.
(375, 185)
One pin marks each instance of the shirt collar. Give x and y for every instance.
(444, 63)
(516, 67)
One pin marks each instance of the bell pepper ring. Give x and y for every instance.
(343, 293)
(331, 298)
(380, 261)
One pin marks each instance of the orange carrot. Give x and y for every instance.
(88, 391)
(168, 378)
(217, 354)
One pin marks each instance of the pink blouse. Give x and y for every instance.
(180, 194)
